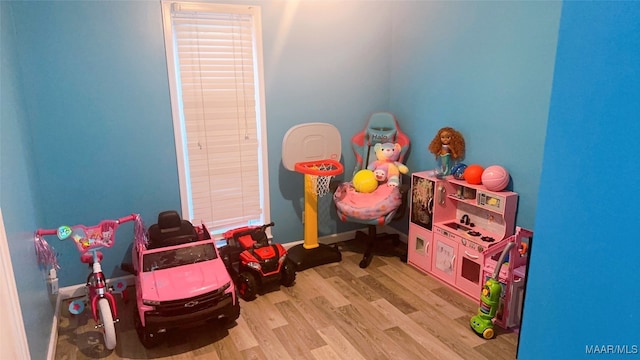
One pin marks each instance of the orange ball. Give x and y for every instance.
(473, 174)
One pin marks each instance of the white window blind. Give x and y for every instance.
(214, 53)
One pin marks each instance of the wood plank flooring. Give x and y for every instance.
(335, 311)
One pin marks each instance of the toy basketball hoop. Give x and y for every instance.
(319, 174)
(313, 149)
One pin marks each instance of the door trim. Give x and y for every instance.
(13, 340)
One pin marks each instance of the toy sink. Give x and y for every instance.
(456, 226)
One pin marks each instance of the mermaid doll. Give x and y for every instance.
(448, 147)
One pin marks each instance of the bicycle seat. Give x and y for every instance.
(87, 258)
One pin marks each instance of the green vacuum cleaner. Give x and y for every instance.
(482, 323)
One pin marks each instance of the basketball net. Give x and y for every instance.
(320, 184)
(320, 174)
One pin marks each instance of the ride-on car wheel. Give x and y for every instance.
(236, 314)
(246, 286)
(147, 339)
(107, 324)
(288, 273)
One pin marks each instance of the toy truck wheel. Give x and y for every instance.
(235, 315)
(488, 333)
(288, 273)
(246, 286)
(147, 339)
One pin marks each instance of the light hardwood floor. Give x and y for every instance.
(335, 311)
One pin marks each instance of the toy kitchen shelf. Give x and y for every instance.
(453, 224)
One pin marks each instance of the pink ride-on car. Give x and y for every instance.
(180, 280)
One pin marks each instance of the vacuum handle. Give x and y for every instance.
(506, 250)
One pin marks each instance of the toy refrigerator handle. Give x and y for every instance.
(506, 250)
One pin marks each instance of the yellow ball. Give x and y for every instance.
(364, 181)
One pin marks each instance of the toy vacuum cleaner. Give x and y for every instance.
(490, 300)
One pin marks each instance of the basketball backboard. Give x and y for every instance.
(310, 142)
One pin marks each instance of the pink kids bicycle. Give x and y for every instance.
(99, 295)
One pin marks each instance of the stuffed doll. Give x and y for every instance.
(387, 167)
(447, 146)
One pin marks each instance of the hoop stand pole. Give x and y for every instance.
(310, 215)
(311, 253)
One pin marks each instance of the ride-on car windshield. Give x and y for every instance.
(178, 257)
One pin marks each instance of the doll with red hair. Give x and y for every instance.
(448, 147)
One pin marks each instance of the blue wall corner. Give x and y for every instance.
(582, 291)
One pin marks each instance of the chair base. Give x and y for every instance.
(370, 240)
(308, 258)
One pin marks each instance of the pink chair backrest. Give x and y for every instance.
(382, 127)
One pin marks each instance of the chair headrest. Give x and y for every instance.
(382, 128)
(169, 221)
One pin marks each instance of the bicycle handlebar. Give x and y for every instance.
(89, 237)
(45, 232)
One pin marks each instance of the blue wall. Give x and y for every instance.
(98, 92)
(484, 68)
(583, 286)
(95, 85)
(92, 135)
(96, 82)
(88, 126)
(324, 62)
(17, 193)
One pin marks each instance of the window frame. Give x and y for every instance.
(179, 128)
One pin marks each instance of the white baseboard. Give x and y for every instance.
(75, 291)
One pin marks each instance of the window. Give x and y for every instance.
(214, 59)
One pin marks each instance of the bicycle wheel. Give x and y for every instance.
(108, 327)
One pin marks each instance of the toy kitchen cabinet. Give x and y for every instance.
(452, 225)
(426, 191)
